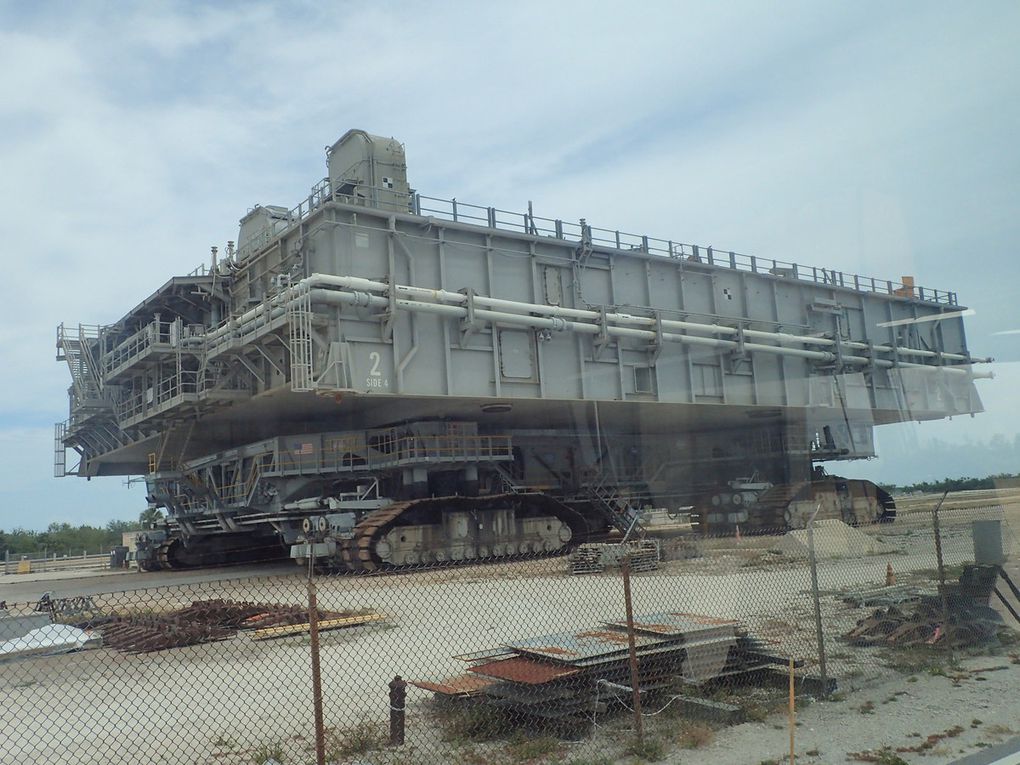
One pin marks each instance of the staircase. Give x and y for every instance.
(606, 498)
(77, 348)
(507, 481)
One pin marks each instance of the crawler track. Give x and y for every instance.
(358, 553)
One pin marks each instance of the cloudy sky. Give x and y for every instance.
(872, 137)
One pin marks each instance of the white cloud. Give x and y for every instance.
(872, 138)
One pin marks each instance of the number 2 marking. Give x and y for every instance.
(375, 359)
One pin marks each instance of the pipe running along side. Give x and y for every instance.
(364, 298)
(457, 298)
(357, 291)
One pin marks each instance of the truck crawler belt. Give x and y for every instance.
(769, 512)
(358, 553)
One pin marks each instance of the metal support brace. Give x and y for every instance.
(602, 339)
(838, 346)
(584, 249)
(870, 354)
(269, 358)
(469, 324)
(251, 370)
(739, 355)
(655, 347)
(390, 315)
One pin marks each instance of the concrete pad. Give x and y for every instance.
(833, 539)
(59, 576)
(14, 627)
(47, 640)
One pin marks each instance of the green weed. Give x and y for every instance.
(527, 749)
(470, 723)
(649, 749)
(269, 753)
(362, 737)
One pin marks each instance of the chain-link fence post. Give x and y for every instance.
(632, 650)
(313, 632)
(815, 597)
(398, 705)
(940, 563)
(792, 711)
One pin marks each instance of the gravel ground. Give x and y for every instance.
(220, 702)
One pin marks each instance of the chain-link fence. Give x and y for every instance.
(650, 650)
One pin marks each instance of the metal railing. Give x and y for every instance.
(149, 338)
(154, 399)
(692, 254)
(356, 453)
(33, 563)
(534, 225)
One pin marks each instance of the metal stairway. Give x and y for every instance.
(605, 496)
(76, 348)
(507, 481)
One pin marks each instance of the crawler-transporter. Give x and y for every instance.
(417, 380)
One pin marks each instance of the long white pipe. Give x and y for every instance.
(365, 299)
(358, 292)
(445, 296)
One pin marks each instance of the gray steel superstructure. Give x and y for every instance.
(374, 347)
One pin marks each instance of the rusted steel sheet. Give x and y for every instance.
(678, 624)
(459, 685)
(574, 647)
(524, 670)
(489, 654)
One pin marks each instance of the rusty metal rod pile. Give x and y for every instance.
(203, 621)
(959, 615)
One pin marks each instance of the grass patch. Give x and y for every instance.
(268, 753)
(953, 572)
(883, 756)
(759, 711)
(920, 660)
(997, 729)
(470, 722)
(695, 735)
(362, 737)
(532, 749)
(650, 749)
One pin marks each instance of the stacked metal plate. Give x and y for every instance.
(568, 678)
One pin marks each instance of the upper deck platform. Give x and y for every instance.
(529, 224)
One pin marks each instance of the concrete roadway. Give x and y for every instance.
(28, 588)
(1003, 754)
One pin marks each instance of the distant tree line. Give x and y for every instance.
(957, 484)
(65, 539)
